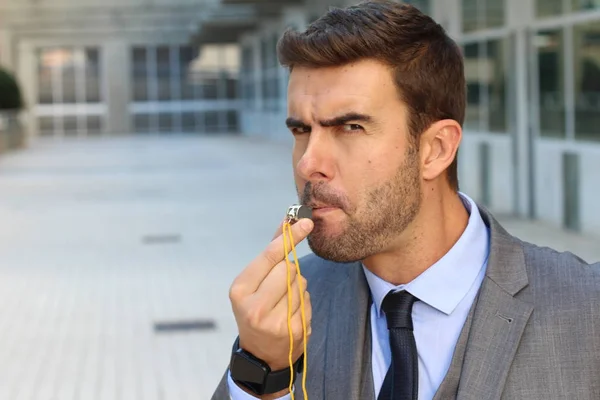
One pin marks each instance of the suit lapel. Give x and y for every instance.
(499, 318)
(347, 347)
(497, 327)
(449, 386)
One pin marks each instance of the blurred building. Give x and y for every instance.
(531, 146)
(92, 67)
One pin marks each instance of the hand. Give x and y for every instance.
(259, 298)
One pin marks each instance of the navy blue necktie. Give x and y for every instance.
(402, 379)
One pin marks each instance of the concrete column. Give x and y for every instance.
(519, 13)
(6, 49)
(258, 72)
(116, 71)
(27, 77)
(295, 16)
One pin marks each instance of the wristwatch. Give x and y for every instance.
(256, 375)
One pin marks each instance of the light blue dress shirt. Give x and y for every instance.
(446, 292)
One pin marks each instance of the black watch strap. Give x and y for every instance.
(276, 381)
(270, 381)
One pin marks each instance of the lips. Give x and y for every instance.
(318, 206)
(320, 211)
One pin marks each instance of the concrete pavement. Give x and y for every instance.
(102, 239)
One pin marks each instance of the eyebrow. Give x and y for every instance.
(336, 121)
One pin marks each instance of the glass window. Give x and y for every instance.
(472, 62)
(210, 88)
(270, 75)
(231, 88)
(265, 89)
(186, 56)
(211, 121)
(232, 121)
(201, 121)
(581, 5)
(550, 57)
(482, 14)
(273, 62)
(46, 126)
(265, 62)
(141, 123)
(45, 67)
(70, 125)
(94, 124)
(495, 76)
(485, 74)
(422, 5)
(140, 74)
(264, 53)
(470, 19)
(163, 70)
(193, 80)
(546, 8)
(246, 75)
(586, 53)
(494, 13)
(247, 64)
(249, 93)
(92, 76)
(274, 94)
(69, 85)
(165, 122)
(188, 121)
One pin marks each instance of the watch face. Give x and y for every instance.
(246, 370)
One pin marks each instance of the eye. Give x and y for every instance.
(352, 128)
(300, 130)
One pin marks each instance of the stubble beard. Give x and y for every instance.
(369, 229)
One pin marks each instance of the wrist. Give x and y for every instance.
(272, 396)
(275, 396)
(256, 377)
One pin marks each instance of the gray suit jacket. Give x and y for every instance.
(532, 333)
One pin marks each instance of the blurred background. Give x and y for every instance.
(144, 161)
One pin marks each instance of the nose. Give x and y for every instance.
(316, 161)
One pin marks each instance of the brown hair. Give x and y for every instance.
(427, 63)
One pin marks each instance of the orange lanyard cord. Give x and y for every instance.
(288, 228)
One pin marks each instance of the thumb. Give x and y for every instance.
(300, 230)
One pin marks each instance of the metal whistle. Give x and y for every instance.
(296, 212)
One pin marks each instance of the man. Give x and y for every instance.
(416, 292)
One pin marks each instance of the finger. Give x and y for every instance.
(251, 278)
(307, 311)
(308, 307)
(281, 309)
(297, 321)
(274, 286)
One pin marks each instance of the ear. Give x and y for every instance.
(439, 145)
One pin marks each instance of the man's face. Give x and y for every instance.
(354, 160)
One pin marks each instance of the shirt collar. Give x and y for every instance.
(447, 282)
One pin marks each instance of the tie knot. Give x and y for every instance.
(397, 307)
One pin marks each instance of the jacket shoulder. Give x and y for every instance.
(561, 275)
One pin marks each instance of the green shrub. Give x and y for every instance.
(10, 93)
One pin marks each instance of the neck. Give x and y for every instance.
(441, 221)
